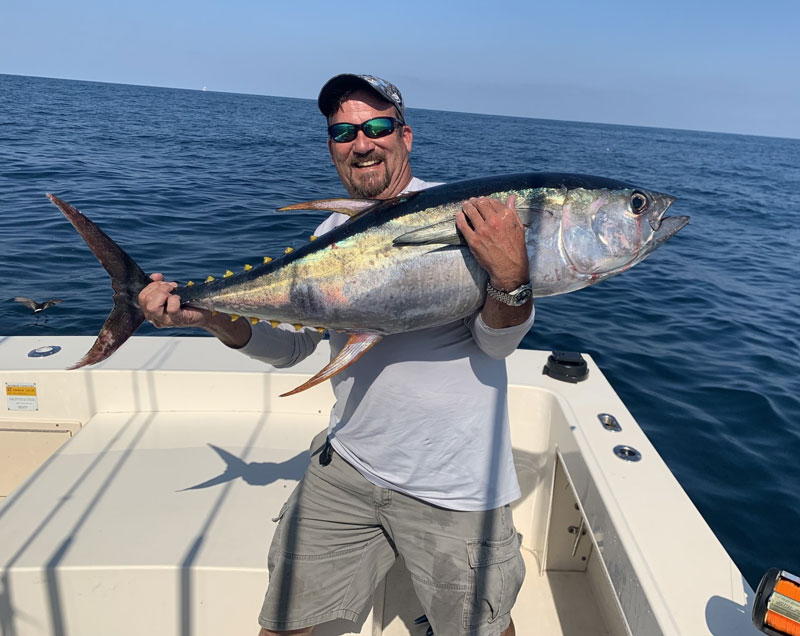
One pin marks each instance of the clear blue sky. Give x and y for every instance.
(704, 65)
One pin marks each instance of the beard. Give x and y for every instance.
(371, 185)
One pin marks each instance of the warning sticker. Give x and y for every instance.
(22, 397)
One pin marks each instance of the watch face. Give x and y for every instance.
(515, 298)
(524, 296)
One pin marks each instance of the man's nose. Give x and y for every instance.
(362, 144)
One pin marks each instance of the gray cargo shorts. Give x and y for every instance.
(338, 535)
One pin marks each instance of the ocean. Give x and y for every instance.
(701, 341)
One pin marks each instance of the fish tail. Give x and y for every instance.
(127, 280)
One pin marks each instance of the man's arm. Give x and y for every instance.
(163, 308)
(496, 238)
(281, 347)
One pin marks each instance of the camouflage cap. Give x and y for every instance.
(337, 86)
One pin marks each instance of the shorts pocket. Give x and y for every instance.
(276, 544)
(284, 508)
(496, 574)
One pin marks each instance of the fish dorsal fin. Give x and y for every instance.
(350, 207)
(357, 345)
(446, 233)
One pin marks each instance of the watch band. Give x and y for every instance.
(513, 298)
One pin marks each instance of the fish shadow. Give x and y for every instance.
(254, 473)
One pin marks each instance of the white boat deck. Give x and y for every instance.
(156, 516)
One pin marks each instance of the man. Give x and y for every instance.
(416, 461)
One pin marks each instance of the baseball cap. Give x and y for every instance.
(337, 86)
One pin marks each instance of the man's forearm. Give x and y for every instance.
(498, 315)
(234, 333)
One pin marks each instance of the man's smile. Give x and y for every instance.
(366, 163)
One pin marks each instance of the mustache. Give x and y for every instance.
(372, 155)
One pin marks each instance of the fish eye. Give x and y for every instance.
(638, 202)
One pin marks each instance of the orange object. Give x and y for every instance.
(782, 625)
(788, 588)
(776, 608)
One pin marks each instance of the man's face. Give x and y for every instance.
(371, 168)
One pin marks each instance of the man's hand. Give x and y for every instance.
(496, 238)
(163, 308)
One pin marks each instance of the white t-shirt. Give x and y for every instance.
(422, 412)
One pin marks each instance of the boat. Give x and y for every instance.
(138, 498)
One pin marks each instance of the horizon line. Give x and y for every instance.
(205, 89)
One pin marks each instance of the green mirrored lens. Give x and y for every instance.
(343, 132)
(378, 127)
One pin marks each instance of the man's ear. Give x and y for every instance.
(408, 137)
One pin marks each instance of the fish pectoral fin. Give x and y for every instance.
(350, 207)
(357, 345)
(442, 233)
(446, 232)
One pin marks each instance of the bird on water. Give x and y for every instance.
(35, 306)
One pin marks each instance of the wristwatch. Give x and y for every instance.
(514, 298)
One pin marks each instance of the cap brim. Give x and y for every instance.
(336, 87)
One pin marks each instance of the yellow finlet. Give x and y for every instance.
(247, 267)
(321, 329)
(228, 273)
(254, 321)
(214, 313)
(190, 283)
(267, 259)
(297, 326)
(288, 250)
(312, 238)
(234, 317)
(209, 279)
(274, 323)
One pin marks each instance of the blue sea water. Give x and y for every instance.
(701, 341)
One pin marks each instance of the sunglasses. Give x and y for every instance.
(372, 128)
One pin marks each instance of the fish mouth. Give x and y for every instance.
(664, 227)
(668, 227)
(662, 204)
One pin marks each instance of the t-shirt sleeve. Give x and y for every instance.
(281, 346)
(498, 343)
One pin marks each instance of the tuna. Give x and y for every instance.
(400, 264)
